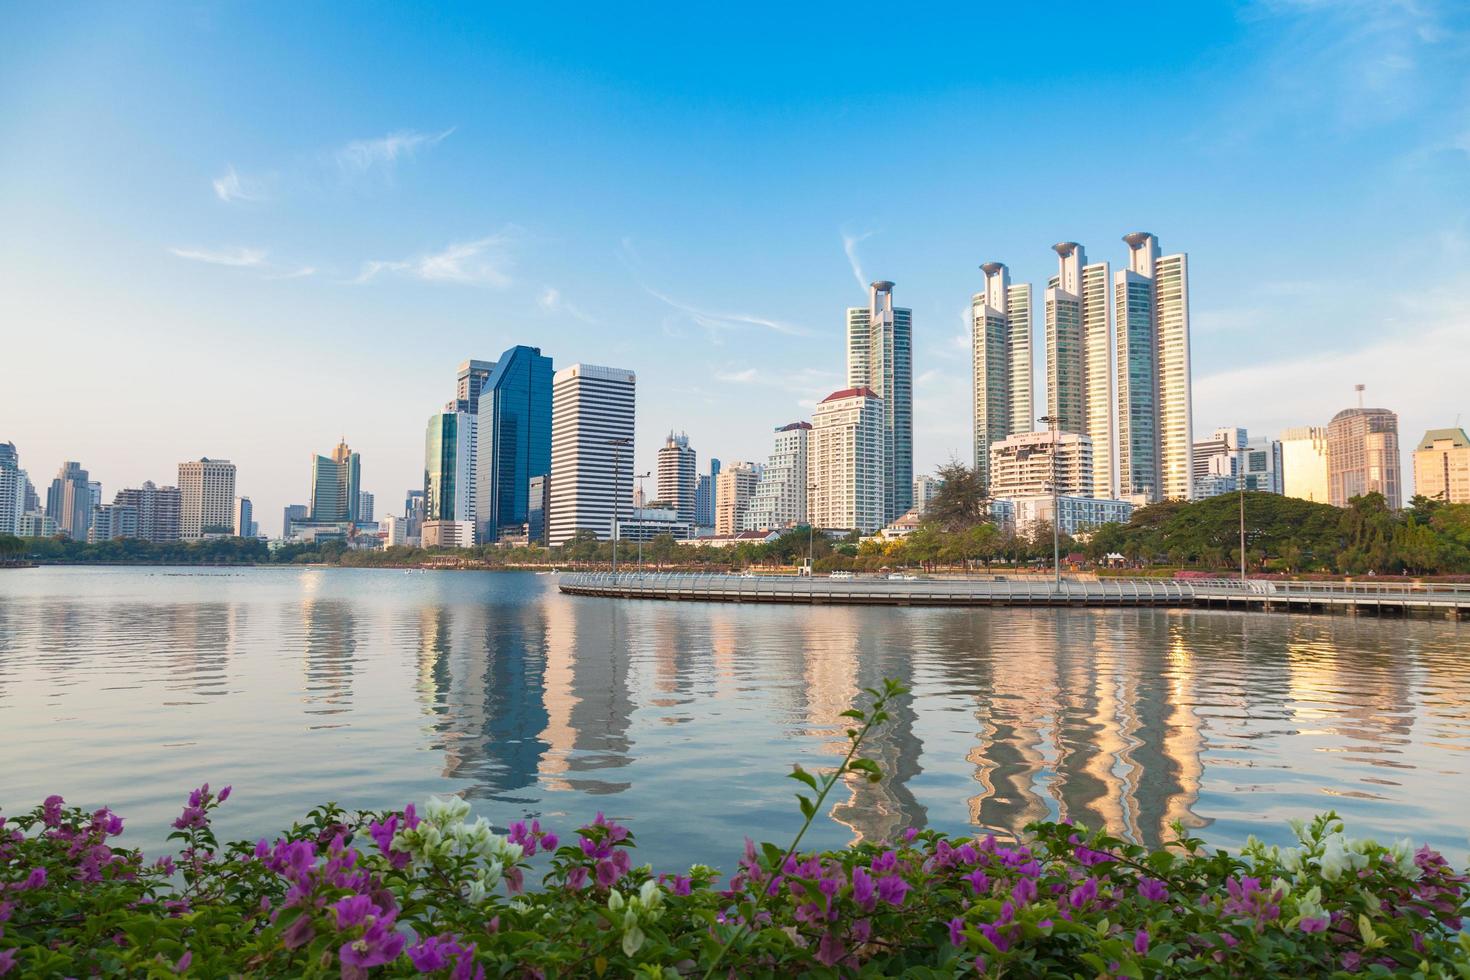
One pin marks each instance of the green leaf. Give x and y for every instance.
(853, 713)
(808, 808)
(802, 775)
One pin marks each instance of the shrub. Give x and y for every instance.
(431, 892)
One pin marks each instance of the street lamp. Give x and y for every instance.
(1052, 421)
(811, 531)
(641, 530)
(617, 445)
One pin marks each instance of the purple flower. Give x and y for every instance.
(378, 945)
(886, 861)
(36, 879)
(298, 933)
(1024, 891)
(1153, 890)
(862, 886)
(979, 881)
(433, 953)
(184, 961)
(7, 958)
(51, 811)
(607, 874)
(957, 932)
(1083, 894)
(1140, 942)
(1313, 925)
(892, 889)
(352, 910)
(830, 950)
(577, 878)
(224, 794)
(910, 834)
(549, 841)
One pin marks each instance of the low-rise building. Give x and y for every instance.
(744, 537)
(1021, 514)
(111, 521)
(647, 523)
(448, 534)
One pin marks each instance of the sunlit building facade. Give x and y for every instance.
(880, 358)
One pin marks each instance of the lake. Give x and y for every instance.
(373, 688)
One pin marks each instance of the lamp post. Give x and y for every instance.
(617, 445)
(641, 530)
(811, 531)
(1052, 422)
(1241, 481)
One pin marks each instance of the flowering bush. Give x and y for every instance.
(435, 893)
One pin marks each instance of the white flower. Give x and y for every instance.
(632, 940)
(649, 895)
(446, 810)
(1299, 828)
(615, 900)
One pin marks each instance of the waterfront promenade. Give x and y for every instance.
(1386, 598)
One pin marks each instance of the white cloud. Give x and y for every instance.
(736, 377)
(301, 273)
(716, 321)
(362, 156)
(231, 186)
(552, 301)
(482, 261)
(240, 258)
(849, 247)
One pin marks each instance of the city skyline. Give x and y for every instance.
(359, 260)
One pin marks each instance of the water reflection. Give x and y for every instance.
(497, 687)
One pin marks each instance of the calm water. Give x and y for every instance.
(374, 688)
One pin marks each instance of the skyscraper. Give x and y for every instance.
(845, 469)
(880, 358)
(1363, 456)
(469, 381)
(512, 439)
(244, 518)
(1155, 406)
(364, 506)
(1079, 357)
(69, 501)
(12, 489)
(736, 483)
(592, 416)
(1441, 466)
(1304, 463)
(206, 498)
(678, 486)
(449, 467)
(537, 506)
(110, 521)
(336, 481)
(158, 510)
(1000, 350)
(292, 514)
(780, 496)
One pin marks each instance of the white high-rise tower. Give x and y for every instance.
(1079, 385)
(880, 357)
(1000, 339)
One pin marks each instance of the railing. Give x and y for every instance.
(1109, 591)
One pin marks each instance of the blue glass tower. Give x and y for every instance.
(514, 439)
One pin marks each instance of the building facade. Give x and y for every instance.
(112, 521)
(513, 439)
(1000, 356)
(69, 501)
(449, 467)
(1363, 456)
(336, 485)
(926, 488)
(1229, 461)
(880, 358)
(735, 489)
(846, 475)
(780, 496)
(1023, 466)
(1442, 466)
(647, 523)
(1023, 514)
(206, 498)
(469, 381)
(448, 534)
(245, 526)
(678, 484)
(1079, 340)
(1304, 463)
(158, 510)
(12, 489)
(592, 424)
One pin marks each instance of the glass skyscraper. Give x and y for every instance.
(513, 441)
(880, 356)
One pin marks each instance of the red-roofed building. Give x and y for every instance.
(845, 474)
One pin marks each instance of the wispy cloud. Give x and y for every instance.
(552, 301)
(363, 156)
(849, 247)
(301, 273)
(240, 258)
(737, 377)
(482, 261)
(717, 321)
(231, 186)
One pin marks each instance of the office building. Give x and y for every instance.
(512, 439)
(880, 358)
(206, 498)
(245, 526)
(448, 534)
(1000, 353)
(678, 486)
(780, 495)
(69, 501)
(394, 530)
(926, 488)
(110, 521)
(449, 469)
(1025, 514)
(365, 507)
(1079, 352)
(1154, 424)
(469, 381)
(592, 418)
(1442, 466)
(1363, 456)
(1304, 463)
(647, 523)
(538, 506)
(846, 474)
(34, 524)
(335, 486)
(12, 489)
(294, 514)
(158, 510)
(704, 496)
(1022, 466)
(735, 489)
(1229, 461)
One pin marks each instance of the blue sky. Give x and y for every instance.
(244, 230)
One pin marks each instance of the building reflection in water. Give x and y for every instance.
(329, 643)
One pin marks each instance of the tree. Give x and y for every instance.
(961, 501)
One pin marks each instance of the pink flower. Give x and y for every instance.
(1313, 925)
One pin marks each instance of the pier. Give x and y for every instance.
(1353, 598)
